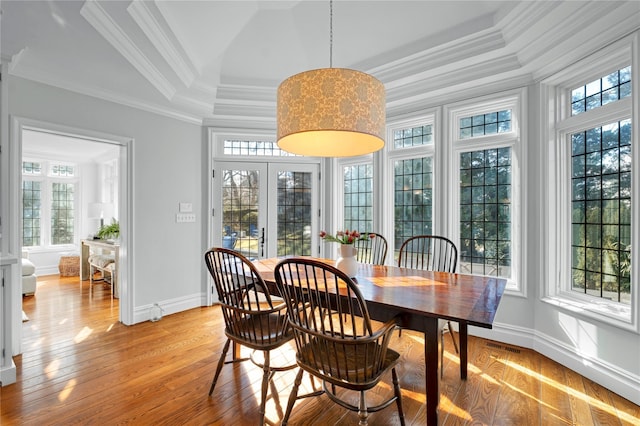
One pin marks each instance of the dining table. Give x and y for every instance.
(418, 299)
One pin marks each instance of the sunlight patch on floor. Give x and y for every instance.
(573, 392)
(83, 334)
(447, 406)
(64, 394)
(51, 369)
(38, 343)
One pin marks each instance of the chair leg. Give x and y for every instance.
(396, 391)
(292, 397)
(363, 414)
(453, 339)
(266, 377)
(91, 272)
(220, 364)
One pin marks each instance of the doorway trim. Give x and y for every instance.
(125, 203)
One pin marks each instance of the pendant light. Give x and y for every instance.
(331, 112)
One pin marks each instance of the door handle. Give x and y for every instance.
(261, 243)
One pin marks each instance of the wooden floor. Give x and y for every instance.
(80, 366)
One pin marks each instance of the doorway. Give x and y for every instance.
(122, 203)
(266, 209)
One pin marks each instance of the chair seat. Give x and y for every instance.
(347, 363)
(101, 260)
(262, 332)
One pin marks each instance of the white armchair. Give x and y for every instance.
(29, 281)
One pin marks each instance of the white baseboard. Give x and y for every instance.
(8, 374)
(47, 270)
(172, 306)
(610, 376)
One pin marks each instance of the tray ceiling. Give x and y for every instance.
(220, 62)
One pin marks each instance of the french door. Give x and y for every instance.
(266, 209)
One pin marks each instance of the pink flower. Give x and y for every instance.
(344, 237)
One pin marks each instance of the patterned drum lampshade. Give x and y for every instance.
(331, 112)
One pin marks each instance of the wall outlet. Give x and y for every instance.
(185, 217)
(185, 207)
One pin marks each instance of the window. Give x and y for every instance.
(601, 211)
(52, 185)
(601, 91)
(486, 142)
(485, 212)
(413, 198)
(415, 136)
(31, 205)
(410, 161)
(485, 124)
(590, 191)
(253, 148)
(62, 208)
(358, 197)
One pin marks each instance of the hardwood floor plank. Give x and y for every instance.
(519, 393)
(80, 366)
(555, 407)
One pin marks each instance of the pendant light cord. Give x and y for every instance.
(330, 33)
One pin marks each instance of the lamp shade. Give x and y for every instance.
(331, 112)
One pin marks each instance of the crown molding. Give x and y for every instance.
(44, 77)
(448, 95)
(613, 30)
(450, 78)
(251, 110)
(247, 93)
(455, 51)
(116, 36)
(161, 40)
(524, 15)
(241, 123)
(565, 27)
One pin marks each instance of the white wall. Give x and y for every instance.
(166, 257)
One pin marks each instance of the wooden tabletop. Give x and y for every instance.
(469, 298)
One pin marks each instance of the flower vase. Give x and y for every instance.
(347, 262)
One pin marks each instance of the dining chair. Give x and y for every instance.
(251, 317)
(432, 253)
(335, 340)
(372, 250)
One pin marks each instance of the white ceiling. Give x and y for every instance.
(220, 62)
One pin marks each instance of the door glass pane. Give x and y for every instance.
(240, 211)
(294, 213)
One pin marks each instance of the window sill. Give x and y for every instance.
(608, 312)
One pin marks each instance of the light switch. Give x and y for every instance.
(186, 208)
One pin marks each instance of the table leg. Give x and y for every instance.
(463, 349)
(431, 373)
(84, 262)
